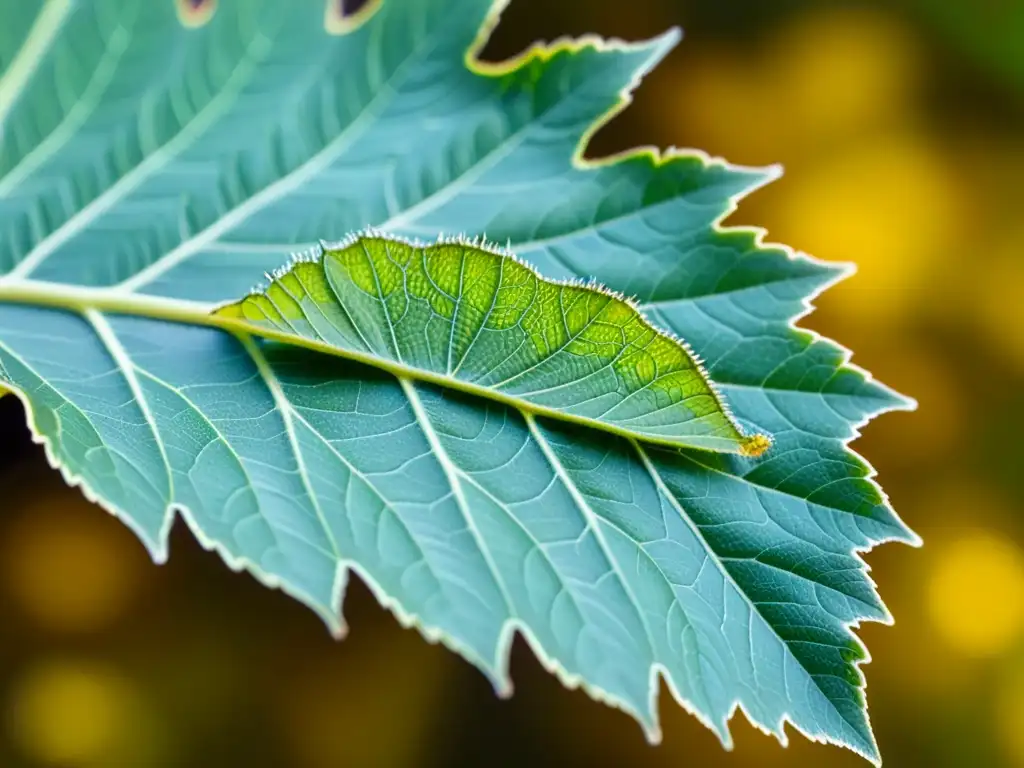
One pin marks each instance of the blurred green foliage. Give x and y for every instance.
(990, 31)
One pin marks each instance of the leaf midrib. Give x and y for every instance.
(83, 300)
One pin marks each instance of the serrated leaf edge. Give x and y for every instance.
(660, 47)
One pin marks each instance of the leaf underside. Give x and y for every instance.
(145, 160)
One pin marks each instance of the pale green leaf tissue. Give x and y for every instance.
(466, 316)
(492, 449)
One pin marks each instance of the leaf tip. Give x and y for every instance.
(746, 178)
(870, 751)
(755, 445)
(772, 172)
(338, 630)
(903, 402)
(668, 39)
(652, 731)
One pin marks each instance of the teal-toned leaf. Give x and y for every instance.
(151, 170)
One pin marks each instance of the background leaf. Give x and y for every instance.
(181, 163)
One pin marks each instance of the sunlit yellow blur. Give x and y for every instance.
(69, 714)
(1009, 715)
(791, 97)
(976, 593)
(862, 80)
(888, 205)
(69, 569)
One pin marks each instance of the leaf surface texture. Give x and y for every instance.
(151, 164)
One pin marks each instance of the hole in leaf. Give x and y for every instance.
(344, 16)
(195, 13)
(351, 7)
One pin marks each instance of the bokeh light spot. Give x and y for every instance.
(791, 97)
(68, 714)
(889, 206)
(864, 78)
(69, 567)
(976, 594)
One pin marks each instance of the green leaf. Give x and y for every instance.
(468, 317)
(151, 170)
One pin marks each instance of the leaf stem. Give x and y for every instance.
(85, 300)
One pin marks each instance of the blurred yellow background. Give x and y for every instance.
(901, 128)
